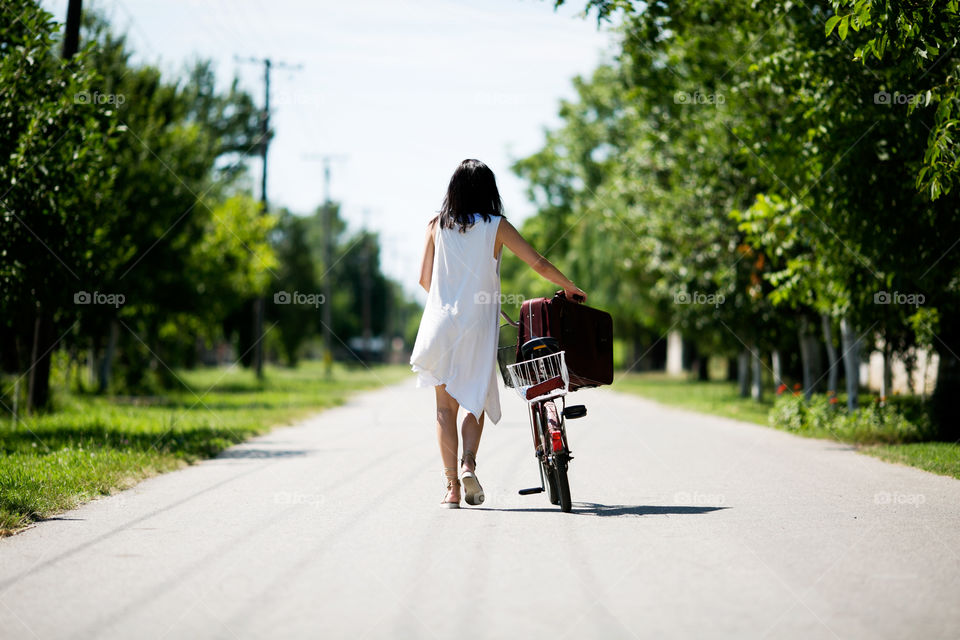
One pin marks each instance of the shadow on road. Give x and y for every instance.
(595, 509)
(52, 518)
(261, 453)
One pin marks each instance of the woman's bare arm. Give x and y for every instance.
(426, 265)
(511, 238)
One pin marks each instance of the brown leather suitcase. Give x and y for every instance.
(584, 333)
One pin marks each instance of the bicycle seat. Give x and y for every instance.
(537, 347)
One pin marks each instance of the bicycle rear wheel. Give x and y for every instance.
(563, 485)
(551, 477)
(546, 469)
(559, 484)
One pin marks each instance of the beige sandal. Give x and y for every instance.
(451, 476)
(471, 485)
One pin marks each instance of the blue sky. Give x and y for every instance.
(403, 90)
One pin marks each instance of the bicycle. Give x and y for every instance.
(541, 378)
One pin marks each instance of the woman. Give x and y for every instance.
(456, 347)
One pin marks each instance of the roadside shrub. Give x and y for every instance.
(788, 413)
(823, 415)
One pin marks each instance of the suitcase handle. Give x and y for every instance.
(576, 298)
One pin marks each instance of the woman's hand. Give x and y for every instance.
(512, 239)
(575, 294)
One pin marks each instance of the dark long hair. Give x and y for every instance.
(472, 189)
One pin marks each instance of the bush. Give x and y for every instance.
(895, 422)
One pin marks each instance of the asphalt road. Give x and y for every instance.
(684, 526)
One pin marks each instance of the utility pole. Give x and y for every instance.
(71, 35)
(366, 285)
(327, 257)
(260, 302)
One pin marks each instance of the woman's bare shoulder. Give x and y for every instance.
(505, 229)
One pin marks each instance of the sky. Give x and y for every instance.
(399, 91)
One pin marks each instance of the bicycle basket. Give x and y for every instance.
(540, 377)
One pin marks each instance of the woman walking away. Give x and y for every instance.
(456, 347)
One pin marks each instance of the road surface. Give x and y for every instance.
(685, 526)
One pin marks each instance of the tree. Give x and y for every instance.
(924, 35)
(296, 274)
(178, 152)
(804, 178)
(55, 183)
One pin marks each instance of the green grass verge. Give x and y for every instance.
(90, 446)
(713, 397)
(895, 434)
(936, 457)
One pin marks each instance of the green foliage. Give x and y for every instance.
(233, 259)
(826, 416)
(732, 148)
(604, 8)
(923, 34)
(354, 277)
(54, 168)
(638, 183)
(296, 273)
(182, 246)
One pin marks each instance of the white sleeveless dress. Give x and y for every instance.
(457, 341)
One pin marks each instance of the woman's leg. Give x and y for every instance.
(471, 429)
(447, 408)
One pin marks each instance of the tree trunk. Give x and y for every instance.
(703, 372)
(31, 377)
(946, 408)
(731, 369)
(245, 334)
(743, 373)
(851, 362)
(886, 384)
(258, 352)
(106, 365)
(756, 383)
(927, 356)
(93, 361)
(806, 358)
(777, 367)
(38, 390)
(16, 400)
(674, 353)
(77, 365)
(834, 372)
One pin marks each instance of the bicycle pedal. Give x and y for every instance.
(574, 411)
(527, 492)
